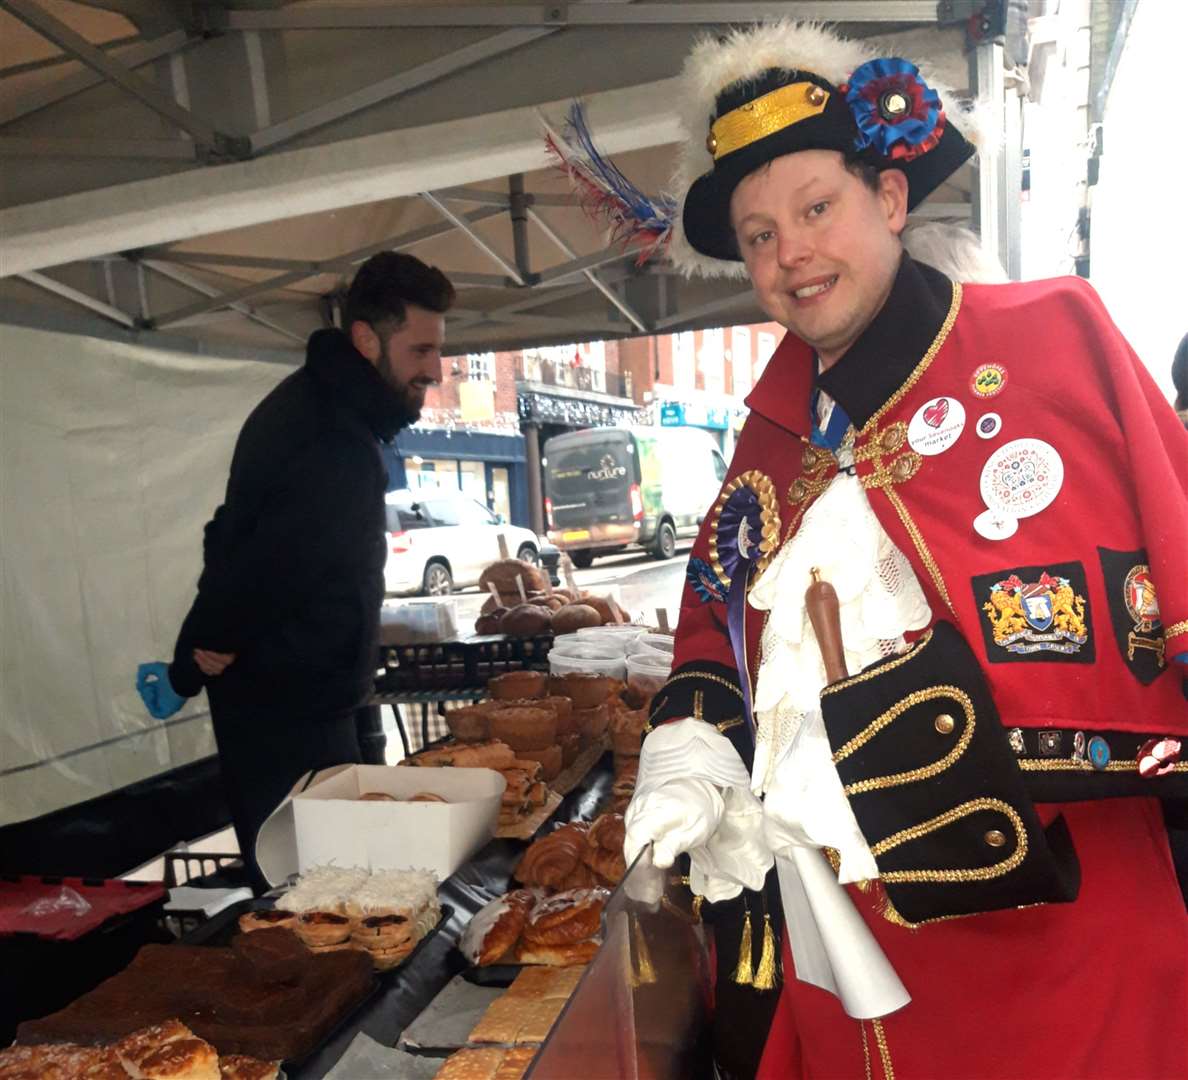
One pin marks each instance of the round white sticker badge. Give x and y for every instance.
(995, 526)
(936, 426)
(1022, 477)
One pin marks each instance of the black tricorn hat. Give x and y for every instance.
(880, 110)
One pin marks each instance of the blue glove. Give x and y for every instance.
(156, 691)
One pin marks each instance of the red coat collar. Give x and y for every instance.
(872, 369)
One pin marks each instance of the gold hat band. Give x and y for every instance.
(765, 116)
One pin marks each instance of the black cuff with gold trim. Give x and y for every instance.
(936, 789)
(709, 692)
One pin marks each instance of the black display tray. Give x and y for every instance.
(500, 975)
(219, 931)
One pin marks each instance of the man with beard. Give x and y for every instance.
(283, 631)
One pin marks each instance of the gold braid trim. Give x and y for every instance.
(921, 546)
(1175, 628)
(966, 874)
(903, 658)
(709, 676)
(1073, 765)
(884, 1049)
(918, 372)
(911, 776)
(865, 1048)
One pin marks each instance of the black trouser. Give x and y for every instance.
(264, 750)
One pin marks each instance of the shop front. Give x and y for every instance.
(490, 468)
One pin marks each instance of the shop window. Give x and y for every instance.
(713, 361)
(684, 361)
(427, 473)
(765, 345)
(740, 361)
(473, 475)
(481, 366)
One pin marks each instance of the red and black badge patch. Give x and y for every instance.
(1036, 613)
(1134, 611)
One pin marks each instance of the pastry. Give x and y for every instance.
(510, 1019)
(585, 690)
(525, 729)
(610, 866)
(322, 928)
(547, 982)
(592, 723)
(607, 832)
(427, 796)
(470, 723)
(238, 1067)
(266, 920)
(376, 796)
(382, 931)
(168, 1050)
(549, 758)
(271, 955)
(494, 930)
(538, 793)
(571, 748)
(471, 1064)
(503, 574)
(581, 952)
(566, 918)
(515, 1063)
(489, 755)
(517, 684)
(549, 860)
(582, 876)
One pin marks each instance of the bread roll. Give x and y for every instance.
(503, 575)
(607, 609)
(376, 796)
(526, 620)
(573, 617)
(489, 622)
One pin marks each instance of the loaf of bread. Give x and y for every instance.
(503, 574)
(526, 620)
(489, 622)
(608, 610)
(573, 617)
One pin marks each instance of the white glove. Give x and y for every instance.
(678, 816)
(805, 805)
(693, 795)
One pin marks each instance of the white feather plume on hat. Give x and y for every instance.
(745, 53)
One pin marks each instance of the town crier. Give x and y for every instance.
(928, 690)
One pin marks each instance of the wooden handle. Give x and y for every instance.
(821, 601)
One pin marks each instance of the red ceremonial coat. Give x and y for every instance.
(1076, 618)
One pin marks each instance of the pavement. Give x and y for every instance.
(639, 583)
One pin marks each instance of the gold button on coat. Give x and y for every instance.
(995, 838)
(816, 96)
(945, 723)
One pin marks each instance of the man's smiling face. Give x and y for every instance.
(821, 246)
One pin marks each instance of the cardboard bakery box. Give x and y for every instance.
(323, 822)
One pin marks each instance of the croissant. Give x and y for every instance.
(607, 833)
(610, 866)
(551, 859)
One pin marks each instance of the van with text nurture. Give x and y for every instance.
(607, 489)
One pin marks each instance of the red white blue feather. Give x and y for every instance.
(605, 194)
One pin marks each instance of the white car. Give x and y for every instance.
(440, 540)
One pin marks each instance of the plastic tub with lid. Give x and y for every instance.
(647, 673)
(562, 664)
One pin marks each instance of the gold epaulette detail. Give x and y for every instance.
(924, 772)
(964, 874)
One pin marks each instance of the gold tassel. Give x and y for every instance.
(743, 974)
(765, 977)
(646, 971)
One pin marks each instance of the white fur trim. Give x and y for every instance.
(744, 54)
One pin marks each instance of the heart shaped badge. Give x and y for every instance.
(934, 414)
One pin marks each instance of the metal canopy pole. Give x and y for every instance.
(988, 84)
(340, 262)
(131, 56)
(77, 297)
(295, 126)
(191, 282)
(127, 80)
(588, 13)
(625, 309)
(475, 238)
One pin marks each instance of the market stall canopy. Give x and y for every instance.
(216, 169)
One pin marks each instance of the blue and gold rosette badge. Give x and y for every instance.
(744, 535)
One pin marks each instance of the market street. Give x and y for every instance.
(640, 584)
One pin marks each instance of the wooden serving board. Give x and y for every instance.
(525, 829)
(574, 774)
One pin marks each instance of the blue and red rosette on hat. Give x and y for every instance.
(898, 114)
